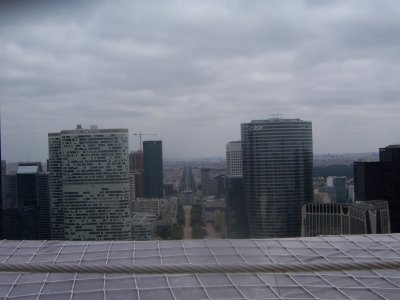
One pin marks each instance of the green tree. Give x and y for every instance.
(177, 232)
(198, 232)
(196, 215)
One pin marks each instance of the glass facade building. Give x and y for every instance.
(375, 180)
(153, 169)
(277, 157)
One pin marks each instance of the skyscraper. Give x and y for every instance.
(153, 169)
(27, 212)
(234, 158)
(1, 193)
(338, 183)
(380, 180)
(206, 189)
(236, 212)
(89, 184)
(277, 160)
(137, 169)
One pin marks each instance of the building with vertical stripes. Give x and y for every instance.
(369, 217)
(277, 162)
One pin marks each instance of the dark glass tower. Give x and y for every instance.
(1, 192)
(153, 169)
(27, 213)
(380, 180)
(277, 157)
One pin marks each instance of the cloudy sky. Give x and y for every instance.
(192, 71)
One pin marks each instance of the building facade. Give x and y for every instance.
(234, 158)
(153, 169)
(26, 213)
(89, 184)
(339, 185)
(277, 162)
(381, 180)
(136, 169)
(236, 211)
(370, 217)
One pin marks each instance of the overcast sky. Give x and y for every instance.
(193, 71)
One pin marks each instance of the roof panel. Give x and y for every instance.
(367, 284)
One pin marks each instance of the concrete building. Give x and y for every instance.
(153, 169)
(345, 218)
(143, 226)
(277, 161)
(234, 158)
(89, 184)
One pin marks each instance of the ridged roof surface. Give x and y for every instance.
(365, 284)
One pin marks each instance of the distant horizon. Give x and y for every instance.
(183, 159)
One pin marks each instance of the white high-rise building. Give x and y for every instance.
(89, 184)
(234, 158)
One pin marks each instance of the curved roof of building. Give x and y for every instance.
(365, 284)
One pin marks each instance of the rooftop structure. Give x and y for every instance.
(345, 218)
(328, 250)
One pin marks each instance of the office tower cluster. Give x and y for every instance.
(88, 192)
(277, 177)
(380, 180)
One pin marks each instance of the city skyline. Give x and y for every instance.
(193, 72)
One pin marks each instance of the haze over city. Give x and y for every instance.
(193, 71)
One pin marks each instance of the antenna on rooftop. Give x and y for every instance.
(275, 116)
(140, 136)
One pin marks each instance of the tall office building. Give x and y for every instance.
(236, 211)
(153, 169)
(338, 183)
(381, 180)
(1, 193)
(234, 158)
(206, 188)
(27, 205)
(89, 184)
(277, 161)
(137, 169)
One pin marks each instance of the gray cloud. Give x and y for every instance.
(193, 71)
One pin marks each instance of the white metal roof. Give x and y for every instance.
(27, 169)
(365, 284)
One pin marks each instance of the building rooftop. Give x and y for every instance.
(361, 284)
(27, 169)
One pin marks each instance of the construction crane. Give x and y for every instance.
(140, 137)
